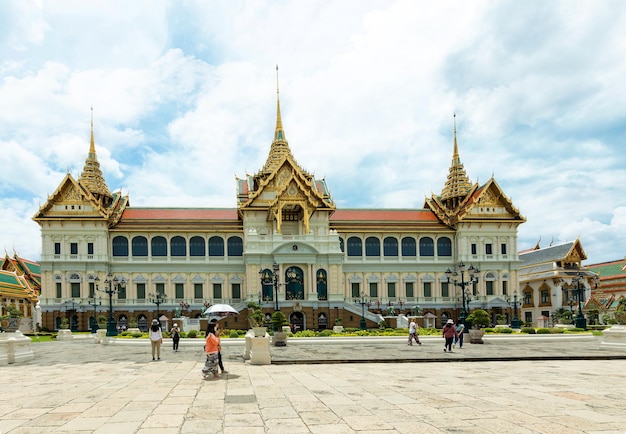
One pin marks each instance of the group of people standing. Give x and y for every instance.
(212, 347)
(453, 334)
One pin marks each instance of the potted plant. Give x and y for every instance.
(65, 323)
(479, 319)
(278, 321)
(338, 328)
(257, 319)
(500, 319)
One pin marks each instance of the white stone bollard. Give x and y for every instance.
(260, 351)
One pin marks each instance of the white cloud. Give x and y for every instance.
(184, 99)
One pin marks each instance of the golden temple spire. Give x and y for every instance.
(91, 178)
(457, 184)
(280, 146)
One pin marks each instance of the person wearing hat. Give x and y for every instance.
(449, 333)
(175, 336)
(156, 339)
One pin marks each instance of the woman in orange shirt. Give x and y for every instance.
(211, 348)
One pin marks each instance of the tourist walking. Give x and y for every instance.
(460, 328)
(218, 333)
(449, 332)
(413, 333)
(156, 339)
(211, 348)
(175, 336)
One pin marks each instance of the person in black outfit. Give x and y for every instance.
(175, 336)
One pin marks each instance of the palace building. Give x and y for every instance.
(285, 245)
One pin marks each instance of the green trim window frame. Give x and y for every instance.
(409, 289)
(356, 289)
(57, 248)
(391, 289)
(236, 290)
(160, 289)
(445, 289)
(75, 288)
(489, 287)
(73, 248)
(505, 287)
(373, 289)
(428, 289)
(141, 291)
(198, 291)
(217, 290)
(179, 289)
(59, 290)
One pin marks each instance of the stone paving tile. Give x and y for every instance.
(111, 389)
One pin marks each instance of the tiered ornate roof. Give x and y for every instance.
(20, 279)
(461, 201)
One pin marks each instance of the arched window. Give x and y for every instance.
(197, 246)
(322, 284)
(390, 246)
(178, 246)
(372, 246)
(235, 246)
(159, 246)
(140, 246)
(427, 247)
(408, 246)
(294, 282)
(355, 248)
(444, 246)
(120, 246)
(216, 246)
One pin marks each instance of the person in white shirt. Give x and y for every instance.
(156, 339)
(413, 333)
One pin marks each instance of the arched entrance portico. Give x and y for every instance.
(297, 319)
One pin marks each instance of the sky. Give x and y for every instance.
(184, 101)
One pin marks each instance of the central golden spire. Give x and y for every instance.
(280, 146)
(458, 184)
(91, 178)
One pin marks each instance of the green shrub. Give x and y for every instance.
(504, 330)
(137, 334)
(557, 330)
(529, 330)
(192, 334)
(233, 334)
(574, 330)
(490, 330)
(325, 333)
(543, 331)
(305, 334)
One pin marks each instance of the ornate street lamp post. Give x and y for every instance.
(515, 323)
(112, 285)
(580, 322)
(275, 269)
(363, 303)
(72, 311)
(95, 303)
(157, 299)
(473, 278)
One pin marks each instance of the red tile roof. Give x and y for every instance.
(383, 215)
(179, 214)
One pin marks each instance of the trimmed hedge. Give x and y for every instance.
(529, 330)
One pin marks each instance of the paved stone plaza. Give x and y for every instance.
(515, 385)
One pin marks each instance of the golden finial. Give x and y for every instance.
(279, 134)
(92, 144)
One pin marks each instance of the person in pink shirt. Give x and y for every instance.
(449, 333)
(211, 348)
